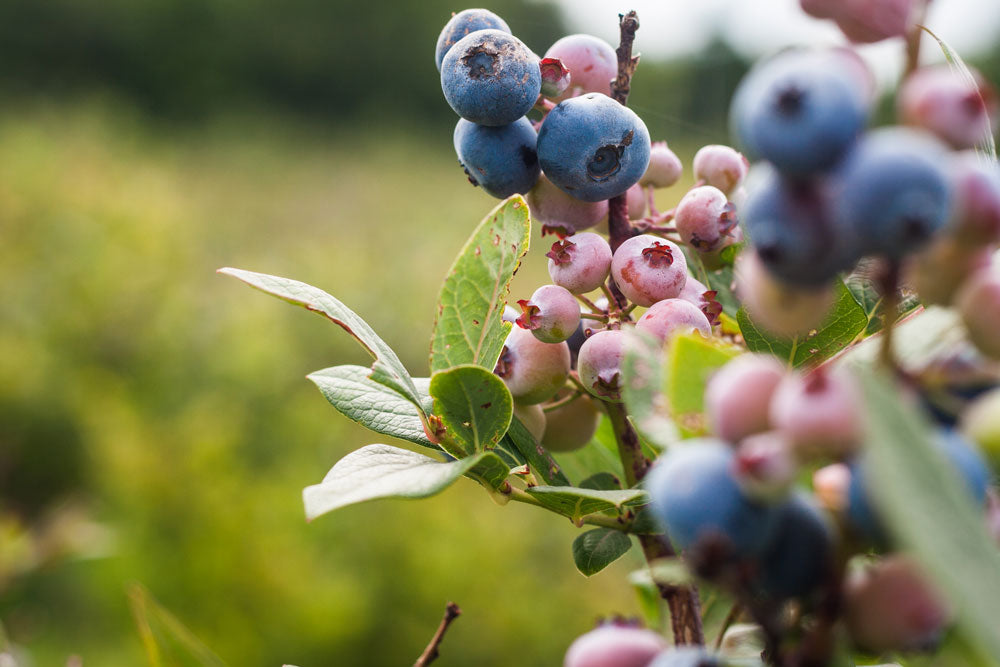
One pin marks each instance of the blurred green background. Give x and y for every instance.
(155, 422)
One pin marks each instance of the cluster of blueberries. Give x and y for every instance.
(828, 193)
(823, 194)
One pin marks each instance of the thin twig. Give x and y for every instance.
(890, 312)
(430, 653)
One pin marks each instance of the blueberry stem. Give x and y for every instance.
(890, 308)
(588, 303)
(565, 400)
(430, 653)
(913, 39)
(594, 316)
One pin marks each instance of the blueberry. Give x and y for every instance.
(532, 370)
(614, 646)
(552, 314)
(797, 236)
(685, 656)
(664, 168)
(738, 396)
(784, 309)
(461, 24)
(571, 426)
(580, 263)
(490, 78)
(894, 191)
(501, 160)
(819, 413)
(592, 147)
(978, 303)
(705, 219)
(671, 317)
(798, 111)
(720, 166)
(599, 363)
(591, 61)
(696, 495)
(801, 556)
(648, 269)
(957, 108)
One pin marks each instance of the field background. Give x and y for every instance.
(156, 426)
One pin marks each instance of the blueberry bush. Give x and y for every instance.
(784, 390)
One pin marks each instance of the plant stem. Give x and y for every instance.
(430, 653)
(685, 615)
(913, 40)
(734, 613)
(890, 308)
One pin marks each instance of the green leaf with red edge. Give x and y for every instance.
(846, 320)
(387, 370)
(469, 327)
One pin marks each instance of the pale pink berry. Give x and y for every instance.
(892, 606)
(720, 166)
(664, 168)
(976, 191)
(978, 303)
(599, 363)
(695, 292)
(533, 418)
(580, 263)
(532, 370)
(665, 319)
(551, 314)
(938, 271)
(943, 100)
(635, 198)
(555, 77)
(571, 426)
(821, 9)
(615, 646)
(765, 466)
(868, 21)
(591, 61)
(818, 413)
(781, 309)
(738, 396)
(704, 218)
(648, 269)
(554, 208)
(830, 484)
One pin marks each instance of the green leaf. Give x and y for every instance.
(575, 502)
(602, 481)
(921, 337)
(691, 361)
(846, 320)
(987, 145)
(519, 439)
(722, 282)
(387, 370)
(867, 292)
(382, 471)
(469, 328)
(472, 405)
(594, 550)
(374, 406)
(642, 390)
(926, 506)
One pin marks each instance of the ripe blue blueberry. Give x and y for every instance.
(894, 190)
(490, 77)
(461, 24)
(696, 495)
(592, 147)
(791, 225)
(799, 559)
(501, 160)
(798, 111)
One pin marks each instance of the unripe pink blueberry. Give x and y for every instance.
(635, 199)
(893, 607)
(591, 61)
(704, 217)
(821, 9)
(552, 314)
(938, 271)
(615, 646)
(819, 413)
(696, 293)
(571, 426)
(533, 418)
(978, 303)
(783, 310)
(946, 102)
(554, 208)
(830, 484)
(664, 168)
(555, 77)
(867, 21)
(765, 466)
(580, 263)
(599, 363)
(532, 370)
(738, 396)
(720, 166)
(976, 190)
(670, 317)
(648, 269)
